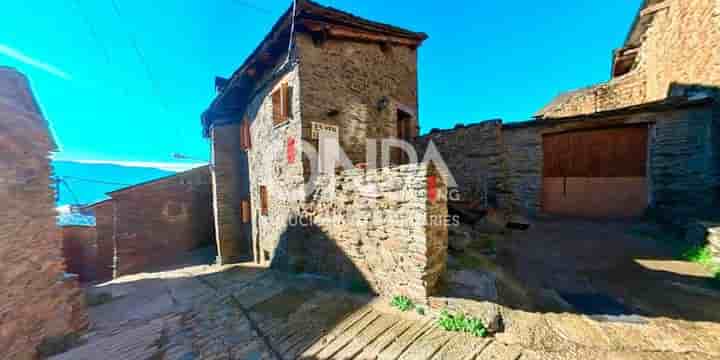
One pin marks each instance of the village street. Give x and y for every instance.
(238, 312)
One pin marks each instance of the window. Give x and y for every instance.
(404, 132)
(263, 201)
(245, 142)
(245, 211)
(282, 104)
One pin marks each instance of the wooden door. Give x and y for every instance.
(597, 173)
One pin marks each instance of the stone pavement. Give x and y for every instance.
(209, 312)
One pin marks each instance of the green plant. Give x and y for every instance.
(402, 303)
(420, 311)
(461, 323)
(699, 254)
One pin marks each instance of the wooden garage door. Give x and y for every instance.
(596, 173)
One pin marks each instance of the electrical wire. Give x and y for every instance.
(95, 181)
(98, 42)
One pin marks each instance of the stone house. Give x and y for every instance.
(645, 140)
(670, 42)
(322, 70)
(39, 301)
(152, 223)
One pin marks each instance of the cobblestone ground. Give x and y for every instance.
(208, 312)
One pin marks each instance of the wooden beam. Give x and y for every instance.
(345, 32)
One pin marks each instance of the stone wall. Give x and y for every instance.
(231, 185)
(104, 226)
(680, 46)
(385, 229)
(80, 251)
(38, 300)
(475, 156)
(524, 159)
(684, 154)
(357, 87)
(155, 223)
(683, 164)
(624, 91)
(271, 168)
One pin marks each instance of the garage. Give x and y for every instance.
(599, 173)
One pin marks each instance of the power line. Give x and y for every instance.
(148, 71)
(98, 42)
(94, 181)
(141, 56)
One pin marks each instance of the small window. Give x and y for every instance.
(245, 211)
(263, 201)
(282, 104)
(404, 132)
(266, 255)
(245, 142)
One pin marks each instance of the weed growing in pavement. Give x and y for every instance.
(402, 303)
(461, 323)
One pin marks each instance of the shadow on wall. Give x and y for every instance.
(310, 250)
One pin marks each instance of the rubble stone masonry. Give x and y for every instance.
(38, 300)
(230, 186)
(357, 87)
(683, 163)
(385, 229)
(154, 223)
(680, 46)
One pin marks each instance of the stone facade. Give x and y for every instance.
(104, 224)
(154, 223)
(673, 42)
(347, 74)
(682, 166)
(80, 251)
(357, 87)
(230, 182)
(380, 228)
(38, 300)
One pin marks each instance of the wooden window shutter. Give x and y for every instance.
(245, 211)
(277, 107)
(245, 142)
(263, 201)
(288, 93)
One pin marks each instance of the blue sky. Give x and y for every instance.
(484, 59)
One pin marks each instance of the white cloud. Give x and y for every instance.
(175, 167)
(25, 59)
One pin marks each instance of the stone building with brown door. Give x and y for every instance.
(152, 224)
(324, 72)
(648, 139)
(39, 302)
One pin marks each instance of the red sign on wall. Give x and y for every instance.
(291, 150)
(432, 188)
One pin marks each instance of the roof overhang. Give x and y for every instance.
(321, 22)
